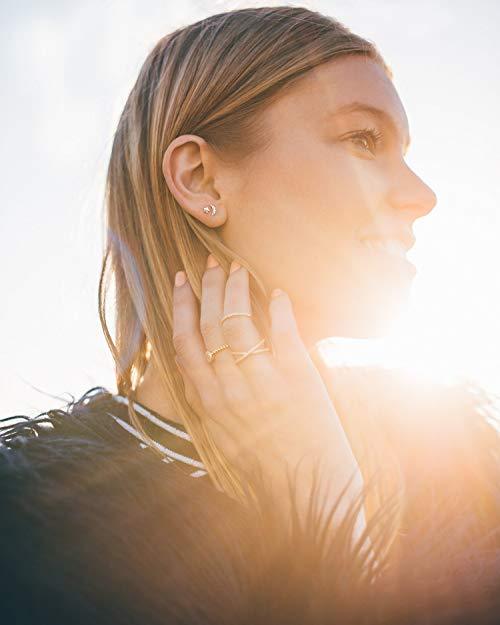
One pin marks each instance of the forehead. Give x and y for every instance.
(337, 84)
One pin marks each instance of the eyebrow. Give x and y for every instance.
(383, 116)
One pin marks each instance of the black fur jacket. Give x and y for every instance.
(95, 528)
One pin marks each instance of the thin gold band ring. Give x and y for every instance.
(253, 350)
(235, 314)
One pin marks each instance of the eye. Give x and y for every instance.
(368, 139)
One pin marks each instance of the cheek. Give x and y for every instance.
(337, 190)
(313, 203)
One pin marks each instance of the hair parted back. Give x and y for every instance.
(211, 78)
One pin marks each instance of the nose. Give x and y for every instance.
(409, 192)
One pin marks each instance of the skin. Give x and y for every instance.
(271, 409)
(297, 211)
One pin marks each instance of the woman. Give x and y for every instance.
(272, 137)
(319, 147)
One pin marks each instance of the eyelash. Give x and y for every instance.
(374, 134)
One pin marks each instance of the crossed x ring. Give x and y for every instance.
(242, 355)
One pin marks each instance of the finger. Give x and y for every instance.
(194, 401)
(232, 381)
(331, 376)
(242, 334)
(190, 392)
(190, 349)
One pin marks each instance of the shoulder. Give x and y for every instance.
(75, 436)
(77, 471)
(86, 447)
(91, 521)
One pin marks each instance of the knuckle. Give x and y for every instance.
(233, 328)
(210, 401)
(237, 283)
(239, 277)
(209, 277)
(284, 332)
(208, 330)
(181, 342)
(181, 299)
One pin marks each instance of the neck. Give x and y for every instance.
(152, 395)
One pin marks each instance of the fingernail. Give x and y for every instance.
(180, 278)
(276, 292)
(211, 261)
(234, 266)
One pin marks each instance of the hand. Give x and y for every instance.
(273, 409)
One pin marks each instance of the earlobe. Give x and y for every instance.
(208, 217)
(184, 167)
(210, 210)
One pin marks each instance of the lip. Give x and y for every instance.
(402, 261)
(406, 238)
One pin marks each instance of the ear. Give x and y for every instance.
(188, 167)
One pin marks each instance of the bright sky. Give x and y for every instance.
(66, 71)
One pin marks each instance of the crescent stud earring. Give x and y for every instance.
(210, 209)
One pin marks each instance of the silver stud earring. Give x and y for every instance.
(210, 209)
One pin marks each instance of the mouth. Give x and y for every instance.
(391, 249)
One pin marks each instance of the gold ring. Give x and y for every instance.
(252, 350)
(211, 354)
(235, 314)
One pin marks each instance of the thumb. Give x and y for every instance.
(328, 373)
(288, 345)
(317, 358)
(321, 367)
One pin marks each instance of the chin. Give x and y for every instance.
(376, 317)
(373, 308)
(361, 318)
(368, 309)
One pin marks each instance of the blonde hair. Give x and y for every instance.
(211, 79)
